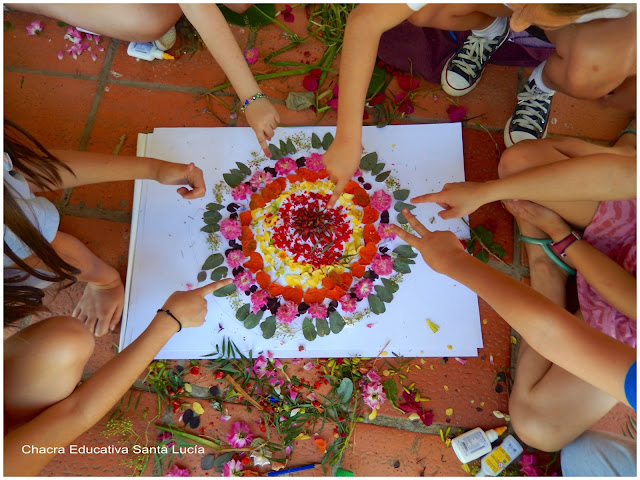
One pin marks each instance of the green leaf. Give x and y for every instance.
(308, 330)
(243, 312)
(291, 147)
(392, 286)
(377, 169)
(390, 388)
(400, 266)
(207, 462)
(253, 319)
(385, 294)
(336, 321)
(9, 25)
(369, 161)
(376, 305)
(408, 261)
(275, 152)
(211, 217)
(401, 219)
(254, 17)
(62, 24)
(400, 205)
(232, 180)
(211, 228)
(315, 141)
(483, 256)
(327, 140)
(219, 462)
(377, 82)
(268, 327)
(401, 194)
(213, 261)
(322, 326)
(405, 251)
(237, 173)
(383, 176)
(497, 250)
(471, 245)
(226, 290)
(214, 206)
(219, 273)
(483, 234)
(243, 168)
(345, 390)
(202, 276)
(283, 148)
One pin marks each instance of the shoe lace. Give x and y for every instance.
(474, 52)
(532, 104)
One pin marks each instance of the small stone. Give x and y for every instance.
(397, 464)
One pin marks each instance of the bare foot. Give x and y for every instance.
(541, 217)
(100, 307)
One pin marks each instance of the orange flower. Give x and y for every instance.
(294, 178)
(323, 174)
(311, 176)
(256, 201)
(282, 182)
(246, 234)
(347, 278)
(370, 234)
(370, 215)
(263, 279)
(351, 187)
(255, 263)
(336, 293)
(276, 290)
(249, 246)
(357, 270)
(245, 218)
(328, 283)
(367, 252)
(293, 294)
(315, 295)
(361, 198)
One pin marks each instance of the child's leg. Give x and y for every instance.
(42, 365)
(459, 17)
(132, 22)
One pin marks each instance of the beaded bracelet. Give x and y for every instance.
(248, 101)
(172, 316)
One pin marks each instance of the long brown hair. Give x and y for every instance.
(39, 167)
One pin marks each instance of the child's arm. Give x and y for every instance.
(553, 332)
(63, 422)
(214, 30)
(365, 26)
(592, 177)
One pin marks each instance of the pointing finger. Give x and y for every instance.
(404, 235)
(415, 223)
(212, 287)
(427, 197)
(337, 191)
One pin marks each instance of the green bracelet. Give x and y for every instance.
(248, 101)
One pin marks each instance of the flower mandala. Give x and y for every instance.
(295, 258)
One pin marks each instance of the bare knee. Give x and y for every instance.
(533, 427)
(517, 158)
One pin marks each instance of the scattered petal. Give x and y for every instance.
(449, 411)
(60, 55)
(414, 416)
(321, 445)
(461, 360)
(434, 328)
(373, 414)
(197, 408)
(514, 340)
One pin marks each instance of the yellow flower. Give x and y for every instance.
(282, 255)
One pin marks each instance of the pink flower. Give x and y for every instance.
(528, 459)
(372, 376)
(73, 36)
(308, 366)
(99, 48)
(311, 81)
(348, 303)
(260, 366)
(239, 435)
(456, 114)
(373, 395)
(287, 16)
(317, 310)
(407, 82)
(333, 103)
(243, 280)
(60, 55)
(314, 162)
(259, 177)
(381, 201)
(235, 258)
(384, 230)
(285, 165)
(34, 28)
(230, 229)
(357, 174)
(405, 105)
(176, 471)
(529, 471)
(232, 469)
(241, 192)
(381, 265)
(251, 55)
(363, 288)
(258, 300)
(166, 436)
(94, 57)
(287, 312)
(96, 38)
(88, 36)
(336, 90)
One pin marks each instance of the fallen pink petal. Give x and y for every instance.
(34, 28)
(60, 55)
(456, 114)
(251, 55)
(287, 16)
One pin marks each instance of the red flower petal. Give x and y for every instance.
(310, 83)
(456, 114)
(407, 83)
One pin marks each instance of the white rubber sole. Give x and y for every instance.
(508, 142)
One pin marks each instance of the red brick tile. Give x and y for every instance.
(43, 49)
(112, 195)
(52, 109)
(617, 420)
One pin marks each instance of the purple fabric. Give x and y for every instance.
(426, 50)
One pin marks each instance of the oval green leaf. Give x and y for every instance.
(243, 168)
(219, 273)
(401, 219)
(400, 266)
(268, 327)
(226, 290)
(210, 228)
(275, 152)
(385, 294)
(345, 390)
(383, 176)
(392, 286)
(400, 205)
(213, 261)
(376, 305)
(202, 276)
(315, 141)
(232, 180)
(211, 216)
(308, 330)
(327, 140)
(243, 312)
(283, 148)
(214, 206)
(405, 251)
(369, 161)
(291, 149)
(322, 326)
(377, 169)
(401, 194)
(253, 319)
(336, 321)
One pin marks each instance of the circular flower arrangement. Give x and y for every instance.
(293, 257)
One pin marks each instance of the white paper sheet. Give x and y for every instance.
(167, 250)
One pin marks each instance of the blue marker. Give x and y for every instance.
(291, 470)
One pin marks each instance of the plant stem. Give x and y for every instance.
(482, 245)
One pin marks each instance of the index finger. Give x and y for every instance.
(404, 235)
(263, 144)
(212, 287)
(427, 197)
(337, 191)
(415, 223)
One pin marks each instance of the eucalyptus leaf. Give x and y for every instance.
(400, 266)
(384, 293)
(214, 206)
(253, 319)
(345, 390)
(268, 327)
(211, 217)
(336, 321)
(327, 140)
(405, 251)
(471, 245)
(383, 176)
(283, 148)
(219, 273)
(237, 173)
(226, 290)
(213, 261)
(290, 146)
(315, 141)
(377, 169)
(408, 261)
(202, 276)
(243, 312)
(401, 219)
(400, 205)
(401, 194)
(219, 462)
(392, 286)
(210, 228)
(322, 326)
(232, 180)
(379, 77)
(275, 152)
(207, 462)
(297, 101)
(376, 305)
(243, 168)
(369, 161)
(308, 330)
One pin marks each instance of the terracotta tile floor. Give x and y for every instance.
(89, 105)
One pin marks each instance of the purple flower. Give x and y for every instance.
(230, 229)
(285, 165)
(232, 469)
(166, 436)
(348, 303)
(381, 265)
(314, 162)
(317, 310)
(239, 435)
(363, 288)
(241, 192)
(176, 471)
(405, 105)
(235, 258)
(384, 230)
(34, 28)
(373, 395)
(456, 114)
(287, 16)
(381, 201)
(287, 312)
(333, 103)
(244, 280)
(260, 366)
(258, 300)
(259, 177)
(251, 55)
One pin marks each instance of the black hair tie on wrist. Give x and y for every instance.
(172, 316)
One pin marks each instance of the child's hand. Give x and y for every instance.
(438, 249)
(169, 173)
(341, 161)
(191, 307)
(263, 118)
(100, 307)
(457, 199)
